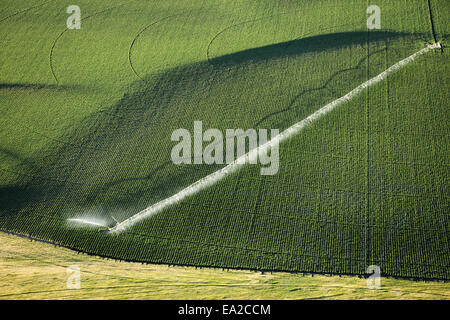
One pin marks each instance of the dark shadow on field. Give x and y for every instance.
(14, 198)
(302, 46)
(36, 86)
(28, 163)
(113, 160)
(295, 100)
(31, 188)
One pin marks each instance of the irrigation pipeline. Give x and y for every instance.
(240, 162)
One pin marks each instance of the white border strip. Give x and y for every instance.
(238, 163)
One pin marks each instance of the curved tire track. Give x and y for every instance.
(52, 68)
(232, 26)
(139, 34)
(25, 10)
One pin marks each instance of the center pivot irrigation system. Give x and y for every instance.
(241, 161)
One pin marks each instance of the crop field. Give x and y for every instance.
(34, 270)
(87, 117)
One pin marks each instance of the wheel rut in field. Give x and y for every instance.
(130, 61)
(52, 67)
(25, 10)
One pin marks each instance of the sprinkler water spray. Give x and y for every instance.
(105, 227)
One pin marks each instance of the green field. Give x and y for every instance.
(87, 116)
